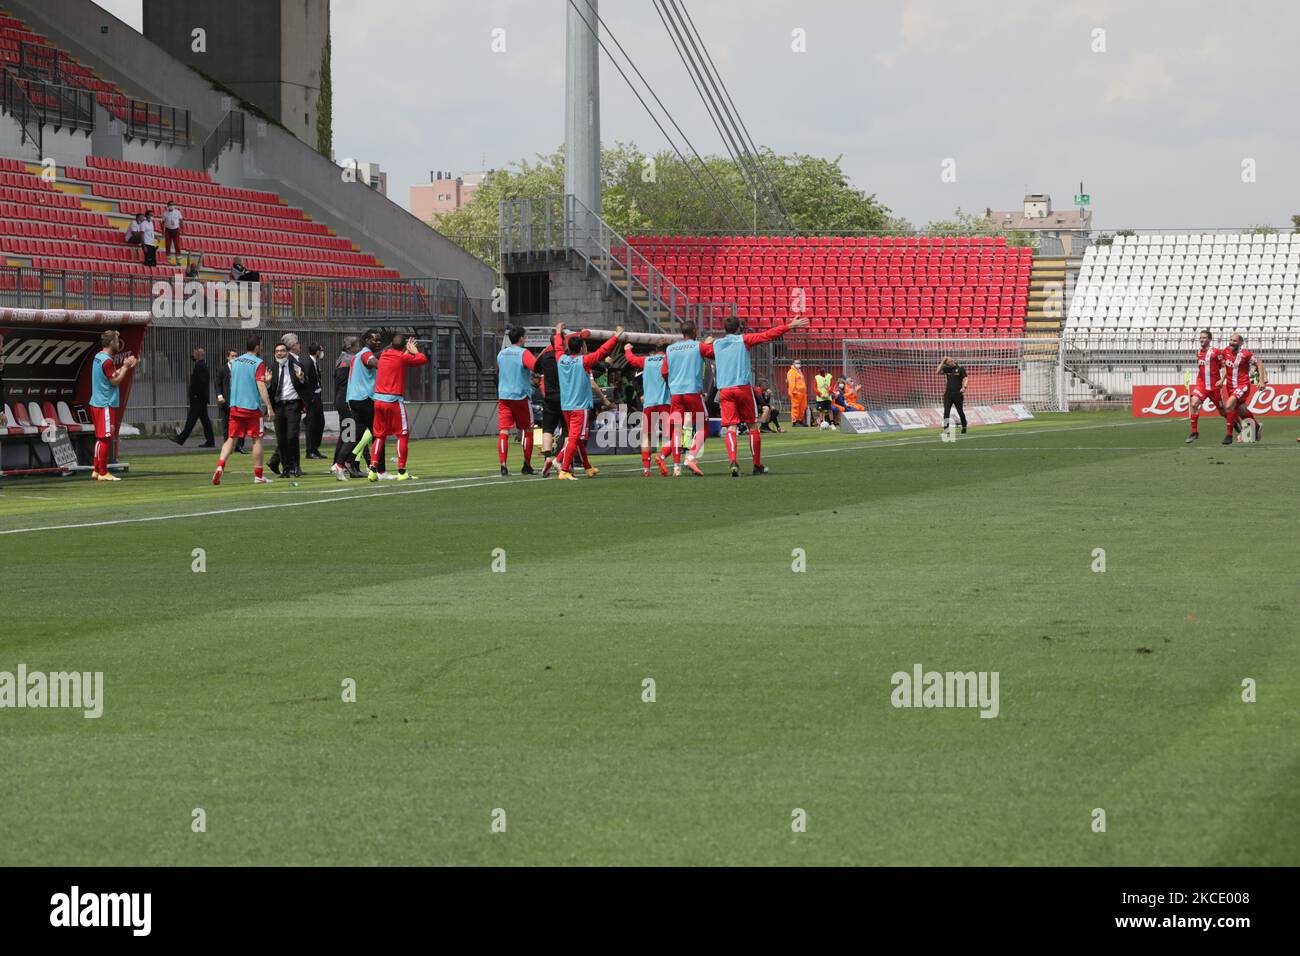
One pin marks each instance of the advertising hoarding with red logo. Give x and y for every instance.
(1173, 401)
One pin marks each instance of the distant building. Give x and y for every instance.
(373, 176)
(1070, 228)
(442, 195)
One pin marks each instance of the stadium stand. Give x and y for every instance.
(858, 287)
(1159, 289)
(22, 48)
(75, 221)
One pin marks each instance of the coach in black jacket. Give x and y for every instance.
(289, 393)
(199, 393)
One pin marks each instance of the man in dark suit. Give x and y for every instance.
(223, 397)
(315, 411)
(288, 393)
(199, 392)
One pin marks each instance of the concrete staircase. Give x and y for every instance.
(1046, 313)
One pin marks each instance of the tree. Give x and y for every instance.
(659, 193)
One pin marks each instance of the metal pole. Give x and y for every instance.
(582, 105)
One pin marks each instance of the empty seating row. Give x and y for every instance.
(181, 187)
(128, 166)
(32, 238)
(1188, 281)
(28, 418)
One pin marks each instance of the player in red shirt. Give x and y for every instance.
(1209, 373)
(1237, 363)
(390, 406)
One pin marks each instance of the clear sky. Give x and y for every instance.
(1156, 115)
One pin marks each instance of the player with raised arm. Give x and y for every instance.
(684, 369)
(248, 395)
(656, 404)
(1209, 373)
(390, 404)
(575, 394)
(1237, 364)
(361, 398)
(106, 376)
(514, 399)
(736, 385)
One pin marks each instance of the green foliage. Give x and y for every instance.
(659, 193)
(971, 224)
(1262, 229)
(325, 106)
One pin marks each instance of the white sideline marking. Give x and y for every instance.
(485, 481)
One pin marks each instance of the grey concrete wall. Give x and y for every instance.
(273, 159)
(245, 59)
(304, 28)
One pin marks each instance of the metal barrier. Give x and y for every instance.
(229, 131)
(562, 224)
(37, 103)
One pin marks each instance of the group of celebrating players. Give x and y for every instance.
(673, 389)
(1223, 377)
(374, 379)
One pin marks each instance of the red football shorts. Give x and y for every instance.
(1241, 393)
(1199, 390)
(104, 419)
(514, 413)
(737, 405)
(390, 419)
(655, 417)
(246, 423)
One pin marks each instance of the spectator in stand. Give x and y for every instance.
(315, 411)
(133, 229)
(223, 397)
(200, 389)
(193, 267)
(149, 240)
(172, 233)
(240, 274)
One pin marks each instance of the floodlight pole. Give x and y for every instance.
(582, 109)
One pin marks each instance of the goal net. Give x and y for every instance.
(902, 373)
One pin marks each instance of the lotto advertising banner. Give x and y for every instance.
(1173, 401)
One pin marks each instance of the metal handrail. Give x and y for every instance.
(15, 101)
(229, 130)
(26, 97)
(568, 225)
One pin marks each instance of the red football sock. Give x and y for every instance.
(257, 472)
(403, 444)
(221, 464)
(1195, 418)
(645, 457)
(528, 447)
(503, 446)
(701, 433)
(756, 446)
(1232, 419)
(731, 446)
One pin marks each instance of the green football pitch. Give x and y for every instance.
(699, 671)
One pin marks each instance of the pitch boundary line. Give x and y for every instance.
(484, 481)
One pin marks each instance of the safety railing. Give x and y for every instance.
(228, 132)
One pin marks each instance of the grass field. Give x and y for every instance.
(522, 690)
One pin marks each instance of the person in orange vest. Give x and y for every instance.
(797, 388)
(851, 396)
